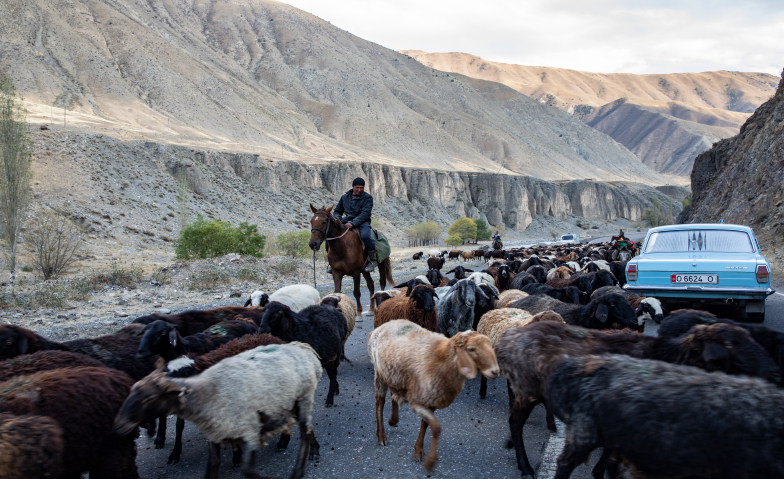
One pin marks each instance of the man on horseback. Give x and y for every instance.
(356, 207)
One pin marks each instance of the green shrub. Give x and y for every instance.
(453, 240)
(209, 239)
(27, 269)
(465, 228)
(294, 244)
(482, 231)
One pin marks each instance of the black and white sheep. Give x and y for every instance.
(161, 338)
(646, 308)
(455, 309)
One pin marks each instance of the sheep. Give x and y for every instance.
(161, 338)
(191, 322)
(479, 253)
(459, 274)
(521, 280)
(297, 296)
(573, 265)
(454, 254)
(711, 424)
(419, 307)
(561, 272)
(579, 281)
(503, 278)
(381, 296)
(83, 401)
(418, 255)
(435, 263)
(510, 296)
(455, 309)
(528, 355)
(601, 278)
(538, 272)
(484, 305)
(482, 278)
(257, 298)
(570, 294)
(187, 366)
(30, 446)
(426, 370)
(599, 313)
(618, 269)
(346, 306)
(495, 323)
(434, 253)
(16, 340)
(468, 255)
(44, 361)
(435, 278)
(246, 399)
(323, 327)
(646, 308)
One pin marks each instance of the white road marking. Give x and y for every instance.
(780, 294)
(551, 452)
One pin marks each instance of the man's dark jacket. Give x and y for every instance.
(355, 209)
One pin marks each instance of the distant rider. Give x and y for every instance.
(357, 206)
(497, 240)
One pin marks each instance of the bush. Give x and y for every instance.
(55, 241)
(207, 278)
(249, 274)
(427, 231)
(687, 201)
(465, 228)
(453, 240)
(655, 216)
(294, 243)
(209, 239)
(482, 231)
(286, 266)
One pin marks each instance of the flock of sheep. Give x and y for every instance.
(700, 399)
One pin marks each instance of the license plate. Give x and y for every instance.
(695, 278)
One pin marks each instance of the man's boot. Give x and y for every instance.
(372, 262)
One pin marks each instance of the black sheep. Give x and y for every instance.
(44, 361)
(601, 278)
(667, 420)
(521, 280)
(484, 305)
(435, 263)
(410, 284)
(600, 313)
(435, 277)
(84, 402)
(196, 321)
(569, 294)
(161, 338)
(538, 272)
(16, 340)
(460, 273)
(322, 327)
(580, 281)
(503, 278)
(618, 269)
(30, 447)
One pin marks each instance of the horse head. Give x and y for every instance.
(320, 225)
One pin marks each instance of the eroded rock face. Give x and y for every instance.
(740, 178)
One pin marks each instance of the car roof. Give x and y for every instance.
(702, 226)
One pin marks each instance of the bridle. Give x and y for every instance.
(325, 231)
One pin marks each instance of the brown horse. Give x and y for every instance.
(345, 253)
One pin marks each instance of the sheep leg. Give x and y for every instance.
(332, 373)
(236, 454)
(573, 455)
(395, 414)
(550, 420)
(284, 441)
(381, 394)
(174, 457)
(306, 440)
(419, 445)
(428, 419)
(518, 415)
(601, 465)
(214, 461)
(358, 293)
(160, 439)
(482, 386)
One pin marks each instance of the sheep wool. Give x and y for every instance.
(346, 306)
(508, 297)
(30, 447)
(407, 307)
(496, 322)
(297, 296)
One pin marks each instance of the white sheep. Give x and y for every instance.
(296, 296)
(423, 278)
(434, 253)
(482, 278)
(247, 398)
(426, 370)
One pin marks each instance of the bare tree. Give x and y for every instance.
(55, 241)
(15, 173)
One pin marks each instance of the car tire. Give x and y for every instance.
(755, 317)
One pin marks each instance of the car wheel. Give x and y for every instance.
(755, 317)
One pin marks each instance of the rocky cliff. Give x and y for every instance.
(741, 179)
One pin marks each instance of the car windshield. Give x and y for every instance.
(567, 237)
(714, 241)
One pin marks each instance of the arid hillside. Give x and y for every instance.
(263, 77)
(740, 179)
(666, 120)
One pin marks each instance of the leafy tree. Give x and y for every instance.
(453, 240)
(209, 239)
(465, 228)
(294, 243)
(482, 231)
(15, 174)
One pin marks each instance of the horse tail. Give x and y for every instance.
(385, 273)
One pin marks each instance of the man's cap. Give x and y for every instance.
(358, 182)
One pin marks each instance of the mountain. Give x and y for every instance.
(263, 77)
(666, 120)
(740, 178)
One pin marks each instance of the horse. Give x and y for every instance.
(344, 254)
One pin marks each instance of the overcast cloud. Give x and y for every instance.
(607, 36)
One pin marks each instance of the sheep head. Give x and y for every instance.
(434, 276)
(422, 297)
(613, 309)
(276, 318)
(474, 352)
(731, 349)
(14, 341)
(490, 295)
(465, 292)
(154, 396)
(161, 338)
(257, 298)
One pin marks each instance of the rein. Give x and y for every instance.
(325, 232)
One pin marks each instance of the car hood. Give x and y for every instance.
(699, 262)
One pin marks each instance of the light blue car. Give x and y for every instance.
(703, 263)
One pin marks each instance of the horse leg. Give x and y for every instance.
(369, 280)
(337, 278)
(358, 293)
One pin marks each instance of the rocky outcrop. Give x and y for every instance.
(740, 178)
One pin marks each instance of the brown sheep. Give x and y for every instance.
(419, 308)
(561, 272)
(454, 254)
(468, 255)
(509, 296)
(381, 296)
(346, 306)
(30, 447)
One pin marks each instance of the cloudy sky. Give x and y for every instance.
(644, 36)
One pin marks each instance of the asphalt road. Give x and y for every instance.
(474, 431)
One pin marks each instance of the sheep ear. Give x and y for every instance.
(173, 338)
(247, 303)
(602, 312)
(716, 356)
(465, 364)
(23, 345)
